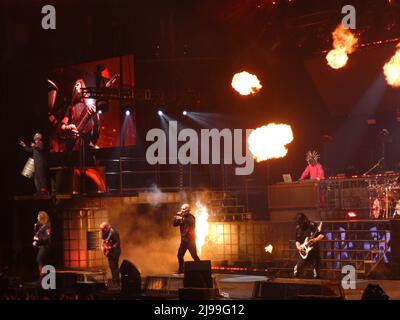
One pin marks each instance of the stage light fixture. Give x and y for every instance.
(99, 111)
(185, 113)
(128, 110)
(160, 113)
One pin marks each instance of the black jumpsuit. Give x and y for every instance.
(313, 259)
(43, 232)
(112, 237)
(39, 158)
(187, 227)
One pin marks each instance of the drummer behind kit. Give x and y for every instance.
(29, 169)
(385, 200)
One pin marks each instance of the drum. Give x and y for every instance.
(29, 169)
(376, 208)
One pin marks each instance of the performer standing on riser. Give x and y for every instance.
(187, 224)
(39, 157)
(306, 229)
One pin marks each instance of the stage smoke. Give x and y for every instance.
(269, 142)
(344, 43)
(147, 236)
(154, 196)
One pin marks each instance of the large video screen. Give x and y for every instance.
(69, 89)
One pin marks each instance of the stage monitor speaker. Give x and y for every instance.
(294, 289)
(197, 274)
(131, 280)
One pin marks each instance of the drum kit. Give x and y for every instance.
(384, 198)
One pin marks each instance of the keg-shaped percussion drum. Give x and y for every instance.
(29, 169)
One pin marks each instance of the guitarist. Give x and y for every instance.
(42, 239)
(305, 228)
(111, 249)
(81, 139)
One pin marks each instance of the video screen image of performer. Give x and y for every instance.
(187, 225)
(112, 250)
(42, 240)
(314, 170)
(37, 149)
(81, 126)
(308, 236)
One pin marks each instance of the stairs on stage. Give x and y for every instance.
(363, 244)
(226, 206)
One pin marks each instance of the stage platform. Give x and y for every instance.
(230, 287)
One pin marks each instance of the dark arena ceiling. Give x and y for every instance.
(182, 29)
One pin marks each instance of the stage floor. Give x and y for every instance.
(241, 286)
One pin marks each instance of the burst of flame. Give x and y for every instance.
(201, 214)
(391, 69)
(246, 83)
(268, 248)
(337, 58)
(269, 142)
(344, 43)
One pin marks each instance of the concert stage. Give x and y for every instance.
(258, 138)
(228, 287)
(232, 242)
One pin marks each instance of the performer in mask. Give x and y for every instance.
(40, 162)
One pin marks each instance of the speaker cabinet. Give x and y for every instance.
(131, 280)
(197, 274)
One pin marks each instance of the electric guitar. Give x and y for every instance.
(106, 246)
(307, 246)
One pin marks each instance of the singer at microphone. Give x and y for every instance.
(187, 225)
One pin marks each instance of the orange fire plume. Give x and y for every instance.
(246, 83)
(269, 142)
(391, 69)
(201, 214)
(344, 43)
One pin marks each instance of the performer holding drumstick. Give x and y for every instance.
(38, 150)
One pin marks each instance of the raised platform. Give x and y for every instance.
(290, 289)
(167, 286)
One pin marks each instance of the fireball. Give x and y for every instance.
(391, 69)
(268, 248)
(344, 43)
(246, 83)
(337, 58)
(269, 142)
